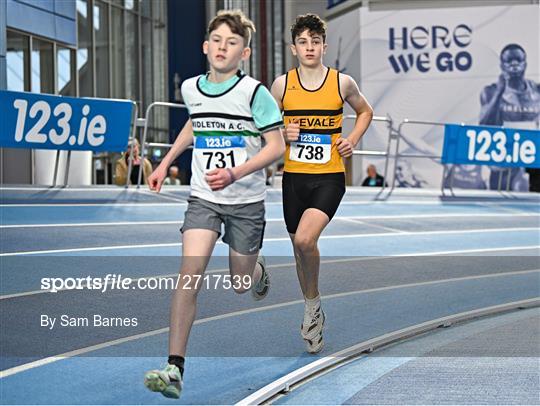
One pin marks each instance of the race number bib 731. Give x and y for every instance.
(219, 152)
(311, 148)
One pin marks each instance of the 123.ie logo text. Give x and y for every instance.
(89, 130)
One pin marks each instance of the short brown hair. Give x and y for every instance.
(237, 22)
(311, 22)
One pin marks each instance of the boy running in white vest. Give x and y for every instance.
(312, 98)
(229, 113)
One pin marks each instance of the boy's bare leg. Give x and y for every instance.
(197, 248)
(299, 270)
(244, 265)
(305, 240)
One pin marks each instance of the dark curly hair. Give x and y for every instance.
(311, 22)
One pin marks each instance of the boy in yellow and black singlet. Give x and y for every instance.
(311, 98)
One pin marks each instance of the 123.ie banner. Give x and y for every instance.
(39, 121)
(494, 146)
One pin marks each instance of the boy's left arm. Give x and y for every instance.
(267, 116)
(272, 151)
(364, 114)
(275, 147)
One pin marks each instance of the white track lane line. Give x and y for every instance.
(343, 218)
(70, 189)
(105, 224)
(433, 192)
(130, 204)
(357, 221)
(11, 371)
(179, 202)
(164, 195)
(507, 209)
(343, 202)
(324, 237)
(323, 262)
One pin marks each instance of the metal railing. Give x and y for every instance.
(392, 135)
(402, 155)
(399, 155)
(143, 122)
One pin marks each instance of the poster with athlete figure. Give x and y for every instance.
(471, 65)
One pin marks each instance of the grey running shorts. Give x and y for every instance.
(244, 223)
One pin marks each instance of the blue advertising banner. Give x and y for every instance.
(494, 146)
(41, 121)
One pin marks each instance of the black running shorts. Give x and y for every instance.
(303, 191)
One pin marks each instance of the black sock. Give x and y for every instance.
(178, 361)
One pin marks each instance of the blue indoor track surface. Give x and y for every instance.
(385, 265)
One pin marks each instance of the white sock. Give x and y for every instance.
(312, 304)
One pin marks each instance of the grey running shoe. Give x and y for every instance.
(168, 381)
(261, 288)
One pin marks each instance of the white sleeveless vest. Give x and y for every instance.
(225, 136)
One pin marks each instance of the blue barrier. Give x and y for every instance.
(495, 146)
(40, 121)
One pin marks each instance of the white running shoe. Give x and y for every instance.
(315, 345)
(261, 288)
(168, 381)
(313, 323)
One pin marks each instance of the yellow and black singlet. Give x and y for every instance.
(319, 113)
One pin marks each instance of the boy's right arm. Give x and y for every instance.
(184, 140)
(292, 130)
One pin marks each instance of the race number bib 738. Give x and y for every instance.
(311, 148)
(219, 152)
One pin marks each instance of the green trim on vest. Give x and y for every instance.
(244, 133)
